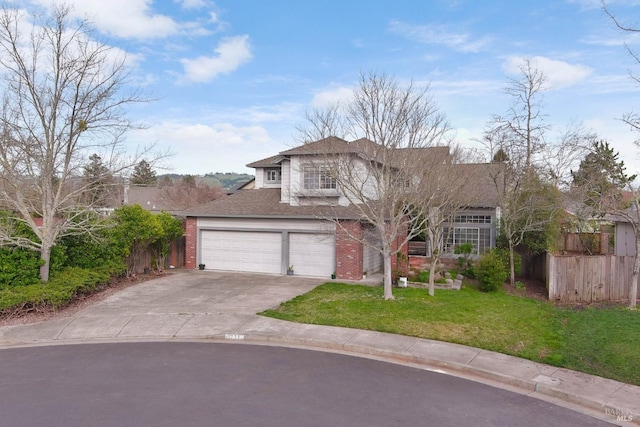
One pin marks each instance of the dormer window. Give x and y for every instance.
(274, 176)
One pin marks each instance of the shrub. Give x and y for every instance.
(19, 266)
(58, 291)
(136, 229)
(490, 272)
(85, 252)
(103, 248)
(465, 263)
(423, 276)
(503, 255)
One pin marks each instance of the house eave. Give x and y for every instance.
(237, 216)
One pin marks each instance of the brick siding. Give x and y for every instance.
(349, 251)
(191, 233)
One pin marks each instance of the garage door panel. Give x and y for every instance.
(312, 254)
(258, 252)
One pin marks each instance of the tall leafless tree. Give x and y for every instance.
(187, 193)
(527, 194)
(64, 96)
(632, 213)
(524, 121)
(380, 173)
(442, 189)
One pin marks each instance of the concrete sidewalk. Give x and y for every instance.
(219, 306)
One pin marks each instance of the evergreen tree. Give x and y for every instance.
(601, 178)
(143, 174)
(99, 180)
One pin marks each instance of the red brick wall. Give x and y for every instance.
(349, 252)
(191, 233)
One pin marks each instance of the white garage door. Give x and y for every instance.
(252, 251)
(312, 254)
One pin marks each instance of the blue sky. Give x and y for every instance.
(233, 78)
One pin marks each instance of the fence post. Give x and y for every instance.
(551, 276)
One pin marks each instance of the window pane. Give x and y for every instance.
(461, 235)
(311, 178)
(314, 179)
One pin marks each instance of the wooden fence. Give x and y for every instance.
(586, 243)
(175, 257)
(588, 279)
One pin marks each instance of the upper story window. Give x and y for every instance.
(274, 176)
(473, 219)
(317, 179)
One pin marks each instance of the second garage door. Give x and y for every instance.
(258, 252)
(312, 254)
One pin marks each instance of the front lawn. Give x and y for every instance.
(602, 341)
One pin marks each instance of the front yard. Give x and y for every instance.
(599, 341)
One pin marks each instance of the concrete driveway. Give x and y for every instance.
(181, 305)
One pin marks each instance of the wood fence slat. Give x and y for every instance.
(586, 279)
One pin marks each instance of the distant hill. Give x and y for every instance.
(224, 180)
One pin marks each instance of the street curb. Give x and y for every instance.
(529, 387)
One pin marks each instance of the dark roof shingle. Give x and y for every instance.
(265, 202)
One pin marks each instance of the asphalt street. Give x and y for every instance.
(231, 384)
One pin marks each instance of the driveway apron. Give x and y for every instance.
(184, 304)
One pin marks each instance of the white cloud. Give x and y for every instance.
(559, 73)
(122, 18)
(465, 87)
(192, 4)
(231, 53)
(438, 34)
(335, 95)
(229, 146)
(201, 136)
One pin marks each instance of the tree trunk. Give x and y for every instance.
(386, 258)
(512, 267)
(45, 256)
(432, 273)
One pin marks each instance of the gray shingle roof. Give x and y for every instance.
(273, 161)
(265, 202)
(480, 190)
(331, 144)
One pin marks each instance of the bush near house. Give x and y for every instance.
(464, 261)
(59, 291)
(490, 272)
(19, 266)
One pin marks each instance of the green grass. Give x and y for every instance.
(595, 341)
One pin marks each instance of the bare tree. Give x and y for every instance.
(631, 214)
(380, 174)
(630, 118)
(527, 204)
(442, 192)
(187, 193)
(534, 163)
(524, 122)
(64, 96)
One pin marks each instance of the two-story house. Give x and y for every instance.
(289, 219)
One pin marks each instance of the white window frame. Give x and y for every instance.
(274, 176)
(316, 178)
(454, 238)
